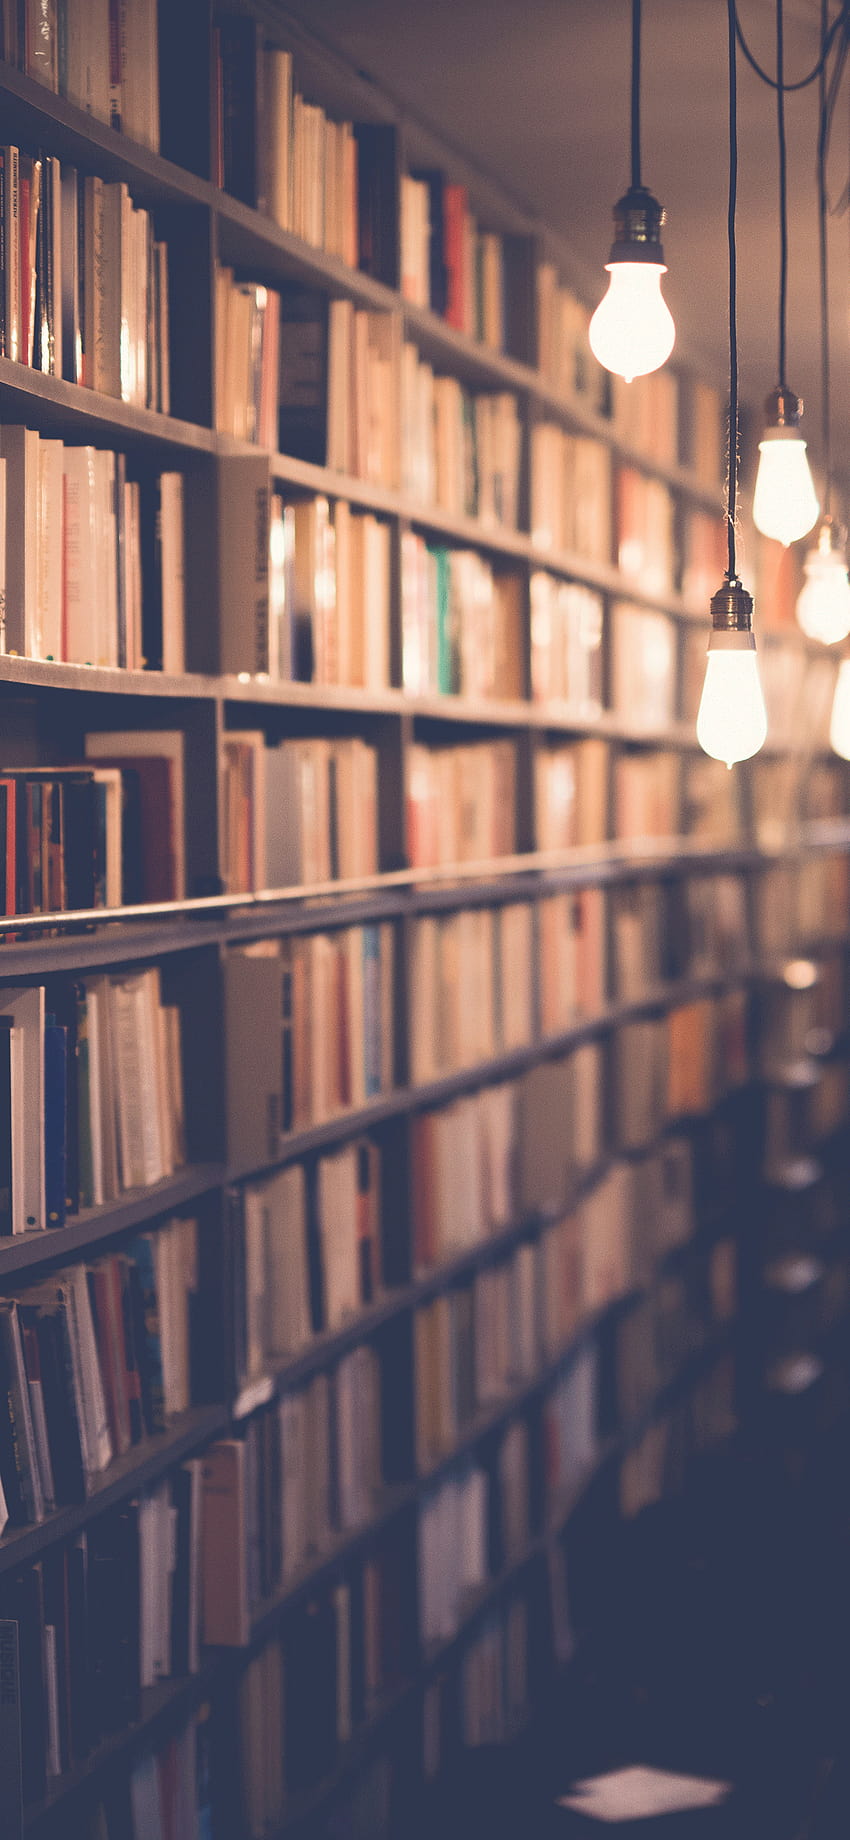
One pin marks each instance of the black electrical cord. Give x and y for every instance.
(823, 137)
(841, 19)
(732, 459)
(636, 93)
(783, 192)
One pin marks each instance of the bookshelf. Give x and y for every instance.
(471, 1115)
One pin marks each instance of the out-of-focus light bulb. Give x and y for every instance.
(732, 720)
(632, 330)
(839, 726)
(785, 502)
(823, 605)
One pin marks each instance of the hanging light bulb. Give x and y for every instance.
(823, 606)
(785, 503)
(632, 330)
(839, 724)
(732, 720)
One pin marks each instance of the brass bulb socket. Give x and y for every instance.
(638, 218)
(732, 611)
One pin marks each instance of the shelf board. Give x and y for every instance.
(261, 249)
(135, 1471)
(61, 408)
(61, 1245)
(104, 680)
(78, 946)
(34, 116)
(162, 1708)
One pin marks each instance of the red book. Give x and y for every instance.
(454, 218)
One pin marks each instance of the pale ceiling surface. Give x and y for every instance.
(539, 92)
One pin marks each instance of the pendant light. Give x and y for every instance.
(732, 722)
(632, 330)
(823, 608)
(785, 502)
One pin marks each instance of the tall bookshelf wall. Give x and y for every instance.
(481, 1091)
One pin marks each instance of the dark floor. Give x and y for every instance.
(722, 1648)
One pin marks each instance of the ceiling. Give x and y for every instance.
(538, 94)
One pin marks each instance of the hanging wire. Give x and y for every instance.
(732, 459)
(783, 191)
(823, 138)
(636, 93)
(842, 19)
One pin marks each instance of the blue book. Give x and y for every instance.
(372, 1009)
(55, 1121)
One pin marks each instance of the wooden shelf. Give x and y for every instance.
(61, 1245)
(59, 408)
(142, 1465)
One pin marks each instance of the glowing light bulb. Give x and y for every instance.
(732, 719)
(839, 726)
(785, 502)
(823, 606)
(632, 330)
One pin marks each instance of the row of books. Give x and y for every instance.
(79, 1629)
(84, 288)
(586, 792)
(656, 1465)
(309, 1033)
(277, 151)
(471, 992)
(118, 1613)
(461, 623)
(648, 417)
(94, 1358)
(570, 1430)
(306, 1253)
(94, 562)
(247, 359)
(571, 957)
(339, 386)
(447, 262)
(654, 1069)
(99, 834)
(307, 1471)
(306, 1243)
(302, 812)
(339, 596)
(331, 182)
(564, 358)
(461, 802)
(91, 1095)
(571, 492)
(322, 614)
(460, 450)
(642, 666)
(452, 1557)
(463, 1160)
(644, 515)
(309, 1690)
(100, 54)
(566, 645)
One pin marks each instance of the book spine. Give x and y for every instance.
(11, 1775)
